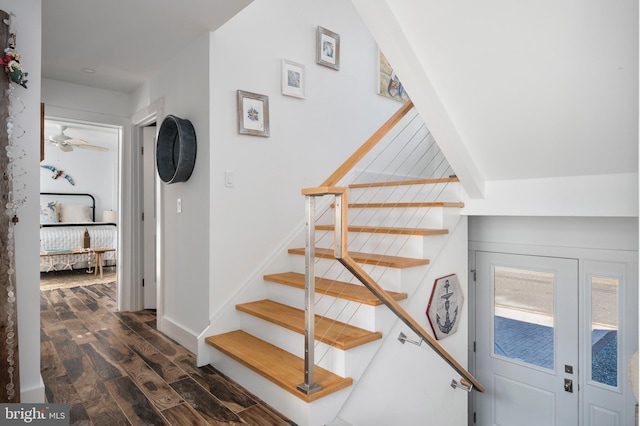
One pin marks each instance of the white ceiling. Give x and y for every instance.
(124, 41)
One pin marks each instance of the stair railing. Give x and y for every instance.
(437, 166)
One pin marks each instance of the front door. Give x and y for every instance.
(527, 340)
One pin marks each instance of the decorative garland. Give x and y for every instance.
(16, 196)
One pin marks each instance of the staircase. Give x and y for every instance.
(394, 228)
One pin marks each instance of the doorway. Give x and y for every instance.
(79, 203)
(552, 340)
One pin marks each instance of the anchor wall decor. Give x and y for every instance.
(445, 306)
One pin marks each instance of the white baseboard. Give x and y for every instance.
(185, 337)
(34, 394)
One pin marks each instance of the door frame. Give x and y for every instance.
(630, 292)
(143, 118)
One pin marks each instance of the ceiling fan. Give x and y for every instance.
(66, 143)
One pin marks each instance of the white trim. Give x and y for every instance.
(581, 253)
(142, 118)
(34, 394)
(177, 332)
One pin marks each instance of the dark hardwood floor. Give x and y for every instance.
(115, 368)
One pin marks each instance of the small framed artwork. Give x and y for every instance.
(328, 48)
(389, 84)
(253, 114)
(292, 79)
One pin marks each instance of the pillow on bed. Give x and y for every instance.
(50, 212)
(75, 213)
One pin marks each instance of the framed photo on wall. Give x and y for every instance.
(328, 48)
(253, 114)
(389, 84)
(293, 83)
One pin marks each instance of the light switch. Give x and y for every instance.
(179, 205)
(228, 179)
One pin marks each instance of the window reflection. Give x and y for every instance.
(604, 330)
(524, 317)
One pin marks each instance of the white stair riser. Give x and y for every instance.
(409, 217)
(355, 313)
(326, 356)
(391, 244)
(389, 278)
(406, 193)
(414, 246)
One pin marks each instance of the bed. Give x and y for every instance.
(64, 217)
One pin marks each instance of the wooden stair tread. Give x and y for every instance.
(340, 335)
(405, 182)
(280, 367)
(368, 258)
(430, 204)
(393, 231)
(340, 289)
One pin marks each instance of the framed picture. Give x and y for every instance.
(389, 84)
(292, 79)
(328, 48)
(253, 114)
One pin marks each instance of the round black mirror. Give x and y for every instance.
(175, 149)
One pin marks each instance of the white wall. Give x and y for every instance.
(93, 172)
(184, 259)
(580, 232)
(27, 26)
(309, 137)
(614, 195)
(84, 100)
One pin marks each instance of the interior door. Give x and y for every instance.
(527, 340)
(149, 222)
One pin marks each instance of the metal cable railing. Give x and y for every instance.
(408, 156)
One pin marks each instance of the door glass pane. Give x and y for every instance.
(604, 330)
(524, 317)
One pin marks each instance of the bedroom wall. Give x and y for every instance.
(27, 24)
(94, 172)
(309, 139)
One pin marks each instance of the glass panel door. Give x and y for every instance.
(526, 340)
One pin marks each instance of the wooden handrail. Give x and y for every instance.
(367, 146)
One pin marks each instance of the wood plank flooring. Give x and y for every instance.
(115, 368)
